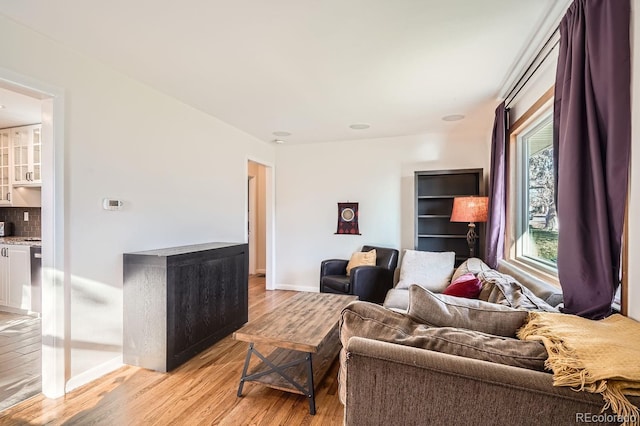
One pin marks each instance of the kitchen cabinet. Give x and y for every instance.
(15, 276)
(6, 186)
(179, 301)
(26, 143)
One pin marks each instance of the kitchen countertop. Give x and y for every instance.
(20, 241)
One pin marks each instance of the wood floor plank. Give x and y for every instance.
(200, 392)
(17, 342)
(26, 349)
(20, 359)
(16, 362)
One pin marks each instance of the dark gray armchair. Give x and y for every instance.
(369, 283)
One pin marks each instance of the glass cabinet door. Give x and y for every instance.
(36, 146)
(5, 181)
(27, 152)
(20, 155)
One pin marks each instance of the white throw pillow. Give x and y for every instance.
(428, 269)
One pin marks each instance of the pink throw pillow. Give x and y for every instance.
(466, 285)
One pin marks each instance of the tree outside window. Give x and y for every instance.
(540, 226)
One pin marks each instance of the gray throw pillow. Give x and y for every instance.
(372, 321)
(442, 310)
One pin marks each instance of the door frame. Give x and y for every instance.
(251, 223)
(55, 277)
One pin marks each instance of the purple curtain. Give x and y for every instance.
(592, 139)
(494, 242)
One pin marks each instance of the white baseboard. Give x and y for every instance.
(93, 373)
(262, 271)
(294, 287)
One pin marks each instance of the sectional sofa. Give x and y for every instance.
(406, 365)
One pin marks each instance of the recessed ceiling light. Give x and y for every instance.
(1, 106)
(278, 141)
(453, 117)
(360, 126)
(281, 133)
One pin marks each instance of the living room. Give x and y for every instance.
(181, 174)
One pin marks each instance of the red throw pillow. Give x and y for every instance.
(466, 285)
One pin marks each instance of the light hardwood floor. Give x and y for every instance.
(200, 392)
(20, 361)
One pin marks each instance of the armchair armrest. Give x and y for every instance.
(333, 267)
(371, 282)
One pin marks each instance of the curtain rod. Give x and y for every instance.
(519, 85)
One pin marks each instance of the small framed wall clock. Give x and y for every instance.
(348, 219)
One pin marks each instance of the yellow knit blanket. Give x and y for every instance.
(594, 356)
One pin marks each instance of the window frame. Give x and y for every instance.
(522, 178)
(516, 194)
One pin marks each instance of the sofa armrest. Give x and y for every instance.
(371, 283)
(388, 383)
(333, 267)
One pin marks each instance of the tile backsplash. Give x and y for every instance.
(21, 228)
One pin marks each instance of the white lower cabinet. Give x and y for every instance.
(15, 276)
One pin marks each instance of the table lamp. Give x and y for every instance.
(471, 210)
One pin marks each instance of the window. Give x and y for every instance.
(536, 221)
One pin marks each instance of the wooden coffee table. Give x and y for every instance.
(304, 331)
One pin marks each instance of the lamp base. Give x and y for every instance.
(471, 239)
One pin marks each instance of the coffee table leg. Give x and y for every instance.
(244, 370)
(312, 392)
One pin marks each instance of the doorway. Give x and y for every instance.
(20, 212)
(257, 217)
(53, 306)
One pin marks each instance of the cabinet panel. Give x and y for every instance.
(449, 184)
(19, 276)
(435, 206)
(208, 297)
(15, 276)
(444, 226)
(178, 302)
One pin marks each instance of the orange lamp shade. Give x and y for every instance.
(470, 209)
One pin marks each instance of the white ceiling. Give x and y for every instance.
(17, 109)
(308, 67)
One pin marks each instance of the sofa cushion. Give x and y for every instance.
(449, 311)
(361, 258)
(466, 285)
(473, 265)
(427, 269)
(372, 321)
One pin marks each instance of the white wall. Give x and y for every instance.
(538, 84)
(181, 174)
(376, 173)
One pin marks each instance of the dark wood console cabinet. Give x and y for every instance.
(179, 301)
